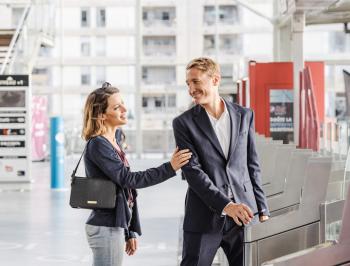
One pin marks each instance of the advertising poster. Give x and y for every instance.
(340, 105)
(281, 115)
(15, 148)
(9, 98)
(13, 168)
(40, 128)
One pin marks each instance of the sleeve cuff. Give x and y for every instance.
(264, 212)
(129, 234)
(224, 213)
(170, 169)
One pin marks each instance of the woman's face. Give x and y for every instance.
(115, 114)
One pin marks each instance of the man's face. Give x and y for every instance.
(202, 87)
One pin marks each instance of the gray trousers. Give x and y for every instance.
(107, 244)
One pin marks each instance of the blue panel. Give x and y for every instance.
(57, 152)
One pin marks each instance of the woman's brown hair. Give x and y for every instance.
(96, 105)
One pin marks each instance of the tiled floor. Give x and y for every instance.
(38, 227)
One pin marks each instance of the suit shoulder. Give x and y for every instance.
(242, 109)
(185, 115)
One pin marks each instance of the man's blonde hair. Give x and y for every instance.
(204, 64)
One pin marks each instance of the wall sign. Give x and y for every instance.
(281, 115)
(15, 122)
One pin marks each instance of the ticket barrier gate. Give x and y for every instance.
(283, 193)
(277, 182)
(274, 158)
(295, 178)
(267, 159)
(327, 254)
(338, 183)
(296, 229)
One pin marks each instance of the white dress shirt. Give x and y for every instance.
(222, 128)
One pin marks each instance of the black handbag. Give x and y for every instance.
(91, 192)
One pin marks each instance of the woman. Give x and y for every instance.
(106, 228)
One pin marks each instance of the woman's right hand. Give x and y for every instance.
(180, 158)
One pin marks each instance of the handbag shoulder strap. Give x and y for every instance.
(76, 168)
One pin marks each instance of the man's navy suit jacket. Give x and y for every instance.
(210, 175)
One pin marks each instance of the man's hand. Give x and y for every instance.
(239, 213)
(131, 246)
(263, 218)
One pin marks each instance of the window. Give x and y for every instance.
(156, 103)
(100, 46)
(209, 43)
(165, 15)
(101, 17)
(144, 15)
(144, 73)
(158, 75)
(85, 17)
(227, 43)
(85, 45)
(144, 101)
(40, 71)
(226, 74)
(338, 42)
(100, 75)
(85, 75)
(228, 14)
(231, 43)
(41, 76)
(172, 100)
(162, 46)
(159, 101)
(209, 15)
(161, 16)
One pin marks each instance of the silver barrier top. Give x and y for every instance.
(314, 193)
(325, 254)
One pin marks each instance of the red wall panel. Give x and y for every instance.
(278, 75)
(317, 73)
(263, 77)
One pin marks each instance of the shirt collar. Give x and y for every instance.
(225, 113)
(225, 107)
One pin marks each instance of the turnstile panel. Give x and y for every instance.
(281, 244)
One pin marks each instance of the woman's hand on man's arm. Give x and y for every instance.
(180, 158)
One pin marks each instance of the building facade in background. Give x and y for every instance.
(143, 46)
(98, 41)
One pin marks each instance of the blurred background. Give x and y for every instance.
(142, 47)
(287, 60)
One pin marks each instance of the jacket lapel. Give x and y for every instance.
(202, 121)
(235, 119)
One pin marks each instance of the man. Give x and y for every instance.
(223, 174)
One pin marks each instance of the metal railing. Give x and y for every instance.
(35, 27)
(16, 37)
